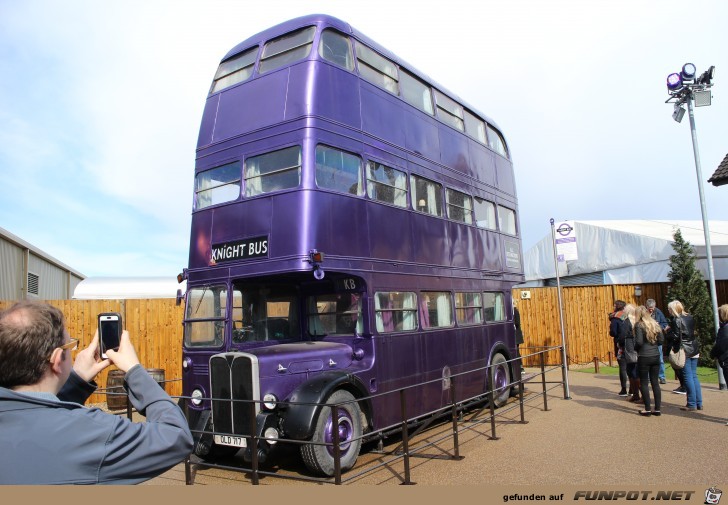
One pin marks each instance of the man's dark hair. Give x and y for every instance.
(619, 304)
(29, 331)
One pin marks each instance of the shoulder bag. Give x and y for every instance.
(631, 356)
(677, 359)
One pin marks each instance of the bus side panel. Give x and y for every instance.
(335, 94)
(207, 127)
(487, 250)
(338, 223)
(200, 239)
(454, 150)
(259, 103)
(504, 171)
(389, 232)
(430, 239)
(421, 133)
(251, 218)
(482, 162)
(463, 240)
(379, 115)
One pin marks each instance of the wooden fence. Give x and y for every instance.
(155, 325)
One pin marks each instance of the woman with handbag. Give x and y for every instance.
(647, 339)
(683, 326)
(629, 354)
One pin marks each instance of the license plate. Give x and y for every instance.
(230, 440)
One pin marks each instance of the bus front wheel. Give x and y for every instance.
(500, 379)
(319, 458)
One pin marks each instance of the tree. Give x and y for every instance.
(688, 285)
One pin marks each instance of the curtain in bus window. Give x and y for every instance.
(219, 185)
(485, 214)
(425, 310)
(469, 308)
(387, 184)
(315, 326)
(433, 200)
(444, 309)
(415, 92)
(273, 171)
(409, 319)
(506, 220)
(382, 307)
(494, 307)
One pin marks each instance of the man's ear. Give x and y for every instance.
(56, 359)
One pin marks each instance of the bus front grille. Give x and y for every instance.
(233, 386)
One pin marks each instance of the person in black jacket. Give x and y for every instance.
(647, 341)
(720, 348)
(615, 320)
(682, 328)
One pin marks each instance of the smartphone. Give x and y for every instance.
(109, 332)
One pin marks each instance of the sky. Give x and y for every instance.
(100, 107)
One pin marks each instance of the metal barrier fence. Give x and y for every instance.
(456, 411)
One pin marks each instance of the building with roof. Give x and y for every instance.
(28, 272)
(720, 176)
(625, 252)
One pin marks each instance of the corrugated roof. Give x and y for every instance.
(720, 176)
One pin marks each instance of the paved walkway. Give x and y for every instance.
(595, 438)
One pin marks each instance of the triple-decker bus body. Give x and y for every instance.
(354, 232)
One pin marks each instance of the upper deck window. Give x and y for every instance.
(485, 214)
(459, 206)
(377, 69)
(415, 92)
(336, 48)
(426, 196)
(395, 311)
(450, 111)
(387, 184)
(338, 170)
(496, 142)
(219, 185)
(286, 49)
(475, 127)
(235, 70)
(273, 171)
(506, 220)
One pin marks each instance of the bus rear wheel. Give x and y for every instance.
(320, 458)
(500, 379)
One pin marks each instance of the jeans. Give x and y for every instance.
(662, 364)
(622, 373)
(692, 384)
(649, 369)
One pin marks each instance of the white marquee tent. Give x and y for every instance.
(121, 288)
(626, 252)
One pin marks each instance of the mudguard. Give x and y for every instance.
(298, 420)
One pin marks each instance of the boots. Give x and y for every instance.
(635, 388)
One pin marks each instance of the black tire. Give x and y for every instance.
(320, 458)
(500, 379)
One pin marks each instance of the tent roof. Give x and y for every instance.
(628, 251)
(121, 288)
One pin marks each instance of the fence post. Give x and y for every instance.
(254, 442)
(543, 381)
(520, 400)
(454, 409)
(405, 438)
(596, 364)
(491, 401)
(188, 472)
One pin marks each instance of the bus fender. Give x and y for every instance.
(298, 419)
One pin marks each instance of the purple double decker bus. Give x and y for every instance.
(354, 232)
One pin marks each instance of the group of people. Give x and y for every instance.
(643, 337)
(48, 436)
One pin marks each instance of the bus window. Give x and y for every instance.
(506, 220)
(449, 111)
(286, 49)
(485, 214)
(273, 171)
(496, 142)
(416, 92)
(386, 184)
(494, 307)
(336, 48)
(338, 170)
(426, 196)
(459, 206)
(376, 69)
(264, 313)
(205, 317)
(475, 127)
(469, 308)
(221, 184)
(395, 311)
(235, 70)
(436, 310)
(334, 314)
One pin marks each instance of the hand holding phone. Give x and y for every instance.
(110, 327)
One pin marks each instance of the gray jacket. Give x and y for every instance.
(47, 441)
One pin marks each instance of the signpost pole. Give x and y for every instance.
(565, 367)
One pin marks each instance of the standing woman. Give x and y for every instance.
(720, 348)
(647, 341)
(626, 343)
(683, 328)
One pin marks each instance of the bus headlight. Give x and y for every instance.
(271, 435)
(196, 397)
(270, 401)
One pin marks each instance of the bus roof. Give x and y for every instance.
(327, 20)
